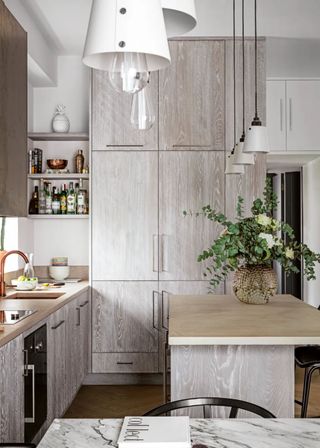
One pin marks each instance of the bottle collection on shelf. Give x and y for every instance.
(50, 200)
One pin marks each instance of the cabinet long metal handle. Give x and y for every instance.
(281, 114)
(58, 325)
(26, 362)
(84, 304)
(32, 418)
(290, 114)
(79, 317)
(155, 253)
(164, 253)
(162, 312)
(154, 294)
(124, 363)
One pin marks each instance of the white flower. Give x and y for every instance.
(289, 253)
(263, 220)
(268, 238)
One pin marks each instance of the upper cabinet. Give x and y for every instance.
(293, 115)
(191, 96)
(111, 111)
(13, 113)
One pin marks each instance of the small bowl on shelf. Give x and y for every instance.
(59, 273)
(57, 164)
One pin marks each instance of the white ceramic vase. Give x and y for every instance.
(60, 123)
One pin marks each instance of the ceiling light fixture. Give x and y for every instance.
(128, 39)
(241, 158)
(257, 136)
(179, 16)
(230, 167)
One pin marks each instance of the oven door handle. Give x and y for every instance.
(32, 418)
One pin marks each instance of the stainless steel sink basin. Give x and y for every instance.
(11, 317)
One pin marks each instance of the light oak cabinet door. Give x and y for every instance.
(111, 110)
(303, 105)
(73, 349)
(276, 115)
(13, 113)
(124, 215)
(191, 96)
(85, 318)
(12, 392)
(57, 373)
(125, 316)
(189, 180)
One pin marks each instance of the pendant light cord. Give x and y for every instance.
(255, 59)
(234, 76)
(243, 77)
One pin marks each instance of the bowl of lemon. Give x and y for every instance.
(26, 283)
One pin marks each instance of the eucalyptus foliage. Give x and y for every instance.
(255, 240)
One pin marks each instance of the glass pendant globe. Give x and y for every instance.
(142, 113)
(129, 72)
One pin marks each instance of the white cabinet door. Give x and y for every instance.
(124, 215)
(276, 115)
(303, 113)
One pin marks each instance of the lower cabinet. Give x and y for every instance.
(12, 392)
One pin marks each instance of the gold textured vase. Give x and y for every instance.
(255, 284)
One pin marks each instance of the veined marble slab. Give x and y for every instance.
(230, 433)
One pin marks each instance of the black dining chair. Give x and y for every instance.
(308, 358)
(208, 402)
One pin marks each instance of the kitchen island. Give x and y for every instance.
(222, 347)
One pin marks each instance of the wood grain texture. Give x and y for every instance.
(124, 362)
(188, 181)
(191, 95)
(260, 375)
(123, 317)
(111, 127)
(124, 215)
(13, 115)
(12, 392)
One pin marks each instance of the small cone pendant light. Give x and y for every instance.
(230, 167)
(179, 16)
(257, 137)
(241, 158)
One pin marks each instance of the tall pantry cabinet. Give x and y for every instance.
(143, 248)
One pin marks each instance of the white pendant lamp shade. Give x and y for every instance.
(256, 140)
(179, 16)
(231, 168)
(133, 27)
(241, 158)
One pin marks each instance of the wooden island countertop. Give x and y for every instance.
(223, 320)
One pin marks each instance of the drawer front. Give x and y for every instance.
(124, 362)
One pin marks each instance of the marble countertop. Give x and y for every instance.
(223, 320)
(42, 307)
(231, 433)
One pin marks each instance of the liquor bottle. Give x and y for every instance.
(82, 200)
(71, 200)
(55, 202)
(42, 199)
(34, 202)
(63, 199)
(79, 161)
(48, 199)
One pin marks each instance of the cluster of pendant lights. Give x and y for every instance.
(256, 140)
(129, 40)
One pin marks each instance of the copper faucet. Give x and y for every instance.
(2, 263)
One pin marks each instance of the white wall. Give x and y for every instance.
(72, 90)
(311, 218)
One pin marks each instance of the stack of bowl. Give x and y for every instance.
(59, 269)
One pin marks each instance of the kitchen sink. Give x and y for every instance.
(11, 317)
(36, 295)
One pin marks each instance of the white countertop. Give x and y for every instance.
(231, 433)
(223, 320)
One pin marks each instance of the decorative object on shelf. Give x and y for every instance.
(251, 245)
(35, 161)
(241, 158)
(179, 16)
(128, 40)
(79, 162)
(60, 122)
(231, 168)
(142, 112)
(57, 171)
(57, 164)
(257, 136)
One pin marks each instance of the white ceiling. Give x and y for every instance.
(64, 22)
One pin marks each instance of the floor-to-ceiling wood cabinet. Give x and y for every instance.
(143, 247)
